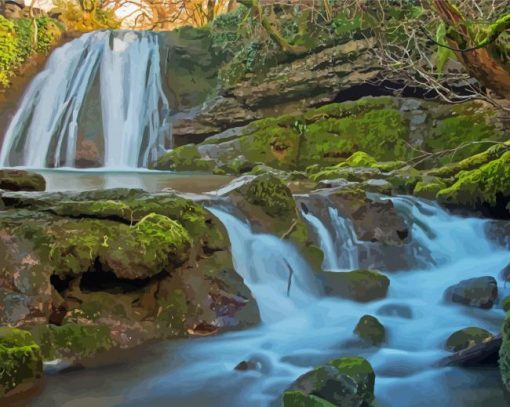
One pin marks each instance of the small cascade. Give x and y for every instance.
(340, 245)
(117, 71)
(267, 264)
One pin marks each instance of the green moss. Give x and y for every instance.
(504, 353)
(484, 185)
(472, 162)
(370, 330)
(360, 159)
(272, 195)
(16, 180)
(20, 359)
(505, 304)
(455, 131)
(72, 341)
(17, 44)
(428, 189)
(184, 158)
(300, 399)
(172, 314)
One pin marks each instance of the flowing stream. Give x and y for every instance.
(115, 78)
(303, 329)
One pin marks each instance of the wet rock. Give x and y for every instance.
(482, 354)
(370, 330)
(505, 273)
(347, 382)
(359, 285)
(246, 365)
(504, 353)
(20, 361)
(466, 338)
(18, 180)
(478, 292)
(396, 310)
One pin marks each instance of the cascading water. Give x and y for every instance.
(316, 329)
(125, 66)
(341, 247)
(280, 279)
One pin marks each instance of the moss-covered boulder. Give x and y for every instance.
(480, 292)
(504, 352)
(20, 361)
(347, 382)
(72, 341)
(466, 338)
(428, 188)
(301, 399)
(505, 304)
(18, 180)
(370, 330)
(486, 187)
(359, 285)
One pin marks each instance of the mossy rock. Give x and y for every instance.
(487, 186)
(348, 382)
(359, 285)
(20, 360)
(72, 341)
(300, 399)
(504, 352)
(271, 194)
(184, 158)
(466, 338)
(428, 189)
(370, 330)
(505, 304)
(17, 180)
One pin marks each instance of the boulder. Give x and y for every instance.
(478, 292)
(466, 338)
(429, 187)
(505, 304)
(20, 361)
(346, 382)
(504, 352)
(396, 310)
(359, 285)
(370, 330)
(18, 180)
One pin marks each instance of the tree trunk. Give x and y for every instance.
(479, 62)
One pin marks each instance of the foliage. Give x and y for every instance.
(76, 18)
(20, 39)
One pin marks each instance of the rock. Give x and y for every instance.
(359, 285)
(378, 186)
(484, 353)
(505, 273)
(370, 330)
(18, 180)
(346, 382)
(504, 353)
(300, 399)
(467, 338)
(478, 292)
(428, 188)
(486, 188)
(248, 365)
(20, 361)
(505, 304)
(71, 341)
(396, 310)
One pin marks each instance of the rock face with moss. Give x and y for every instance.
(17, 180)
(504, 353)
(466, 338)
(20, 361)
(358, 285)
(115, 268)
(370, 330)
(347, 382)
(383, 127)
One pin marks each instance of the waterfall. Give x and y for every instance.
(265, 262)
(125, 66)
(341, 247)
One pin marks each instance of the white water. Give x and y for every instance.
(45, 129)
(266, 263)
(200, 372)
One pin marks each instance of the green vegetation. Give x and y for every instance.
(20, 360)
(17, 42)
